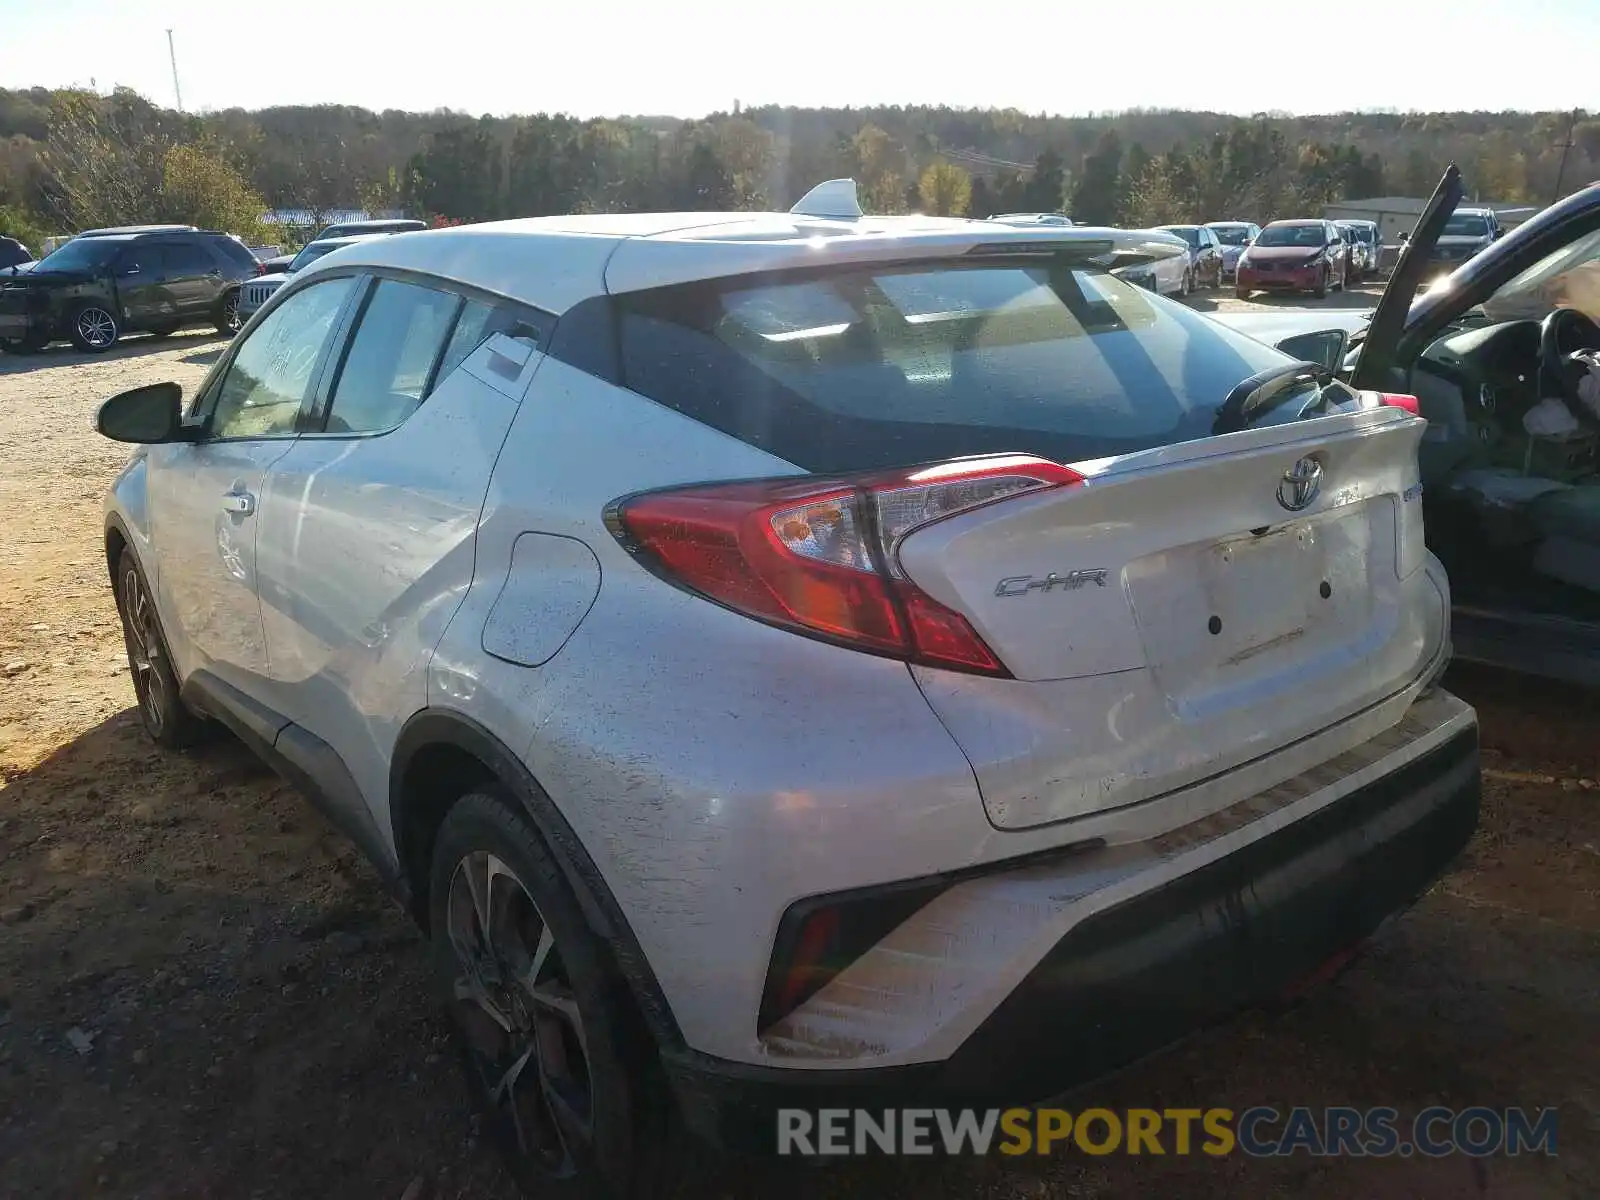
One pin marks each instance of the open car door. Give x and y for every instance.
(1382, 342)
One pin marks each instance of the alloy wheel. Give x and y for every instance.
(230, 313)
(145, 655)
(97, 327)
(514, 1006)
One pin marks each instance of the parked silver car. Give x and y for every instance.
(803, 659)
(1233, 236)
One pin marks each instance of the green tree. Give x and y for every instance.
(981, 203)
(945, 190)
(1045, 190)
(1094, 200)
(199, 188)
(104, 161)
(1151, 199)
(20, 223)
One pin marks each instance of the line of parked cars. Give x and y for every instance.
(103, 283)
(1309, 255)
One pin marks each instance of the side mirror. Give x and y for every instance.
(149, 415)
(1325, 347)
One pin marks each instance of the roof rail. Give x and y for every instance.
(834, 199)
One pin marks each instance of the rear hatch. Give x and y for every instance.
(1182, 611)
(1186, 602)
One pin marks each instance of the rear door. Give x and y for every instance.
(366, 541)
(193, 278)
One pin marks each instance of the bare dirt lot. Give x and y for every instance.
(202, 993)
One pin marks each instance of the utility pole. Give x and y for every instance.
(1566, 149)
(173, 55)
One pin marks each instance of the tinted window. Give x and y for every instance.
(186, 258)
(1231, 235)
(1466, 225)
(1291, 235)
(235, 252)
(387, 369)
(277, 363)
(82, 254)
(309, 254)
(865, 369)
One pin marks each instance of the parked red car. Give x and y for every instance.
(1294, 256)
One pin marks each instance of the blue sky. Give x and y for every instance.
(688, 57)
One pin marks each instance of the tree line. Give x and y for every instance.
(71, 160)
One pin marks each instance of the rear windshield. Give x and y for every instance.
(872, 368)
(1231, 235)
(238, 252)
(1466, 225)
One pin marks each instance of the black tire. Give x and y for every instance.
(1188, 282)
(94, 328)
(484, 837)
(1321, 292)
(226, 316)
(168, 721)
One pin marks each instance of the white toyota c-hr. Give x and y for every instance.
(804, 658)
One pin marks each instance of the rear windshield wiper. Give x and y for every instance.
(1266, 390)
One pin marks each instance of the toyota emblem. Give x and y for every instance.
(1300, 484)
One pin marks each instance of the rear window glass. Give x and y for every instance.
(864, 369)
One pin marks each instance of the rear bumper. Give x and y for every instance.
(1142, 971)
(1302, 280)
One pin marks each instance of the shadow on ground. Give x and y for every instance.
(203, 995)
(135, 345)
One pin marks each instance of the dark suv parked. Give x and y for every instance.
(107, 282)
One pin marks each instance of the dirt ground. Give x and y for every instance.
(203, 995)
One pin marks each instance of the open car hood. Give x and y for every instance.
(1381, 350)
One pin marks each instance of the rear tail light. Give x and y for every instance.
(261, 267)
(821, 556)
(1399, 400)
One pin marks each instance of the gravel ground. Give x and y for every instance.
(202, 994)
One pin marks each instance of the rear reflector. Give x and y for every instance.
(821, 556)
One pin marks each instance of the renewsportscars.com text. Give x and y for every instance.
(1259, 1132)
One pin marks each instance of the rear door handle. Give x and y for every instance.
(242, 503)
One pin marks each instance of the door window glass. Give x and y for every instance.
(186, 258)
(276, 365)
(472, 328)
(390, 361)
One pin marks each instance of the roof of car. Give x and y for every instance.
(554, 262)
(1218, 224)
(345, 239)
(136, 230)
(1300, 221)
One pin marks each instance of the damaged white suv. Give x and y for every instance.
(804, 658)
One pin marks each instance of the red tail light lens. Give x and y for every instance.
(1401, 400)
(821, 556)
